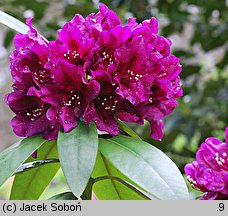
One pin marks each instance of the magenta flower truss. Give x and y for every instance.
(97, 70)
(209, 173)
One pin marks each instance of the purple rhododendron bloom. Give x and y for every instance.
(97, 70)
(209, 173)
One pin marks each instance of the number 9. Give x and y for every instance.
(221, 206)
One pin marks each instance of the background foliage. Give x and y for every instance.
(199, 31)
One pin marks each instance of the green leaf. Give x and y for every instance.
(111, 189)
(64, 196)
(15, 155)
(132, 187)
(77, 154)
(127, 129)
(146, 165)
(29, 185)
(13, 23)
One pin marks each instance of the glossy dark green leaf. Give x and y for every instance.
(145, 165)
(15, 155)
(111, 189)
(64, 196)
(129, 185)
(77, 154)
(29, 185)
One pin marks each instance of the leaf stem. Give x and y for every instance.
(87, 194)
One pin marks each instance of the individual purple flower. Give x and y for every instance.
(68, 96)
(104, 20)
(72, 45)
(209, 173)
(163, 97)
(107, 105)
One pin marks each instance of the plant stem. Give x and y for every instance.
(87, 194)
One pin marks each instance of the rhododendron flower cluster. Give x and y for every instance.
(209, 173)
(97, 71)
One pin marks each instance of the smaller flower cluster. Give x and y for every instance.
(97, 70)
(209, 173)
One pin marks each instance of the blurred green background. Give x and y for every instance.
(199, 31)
